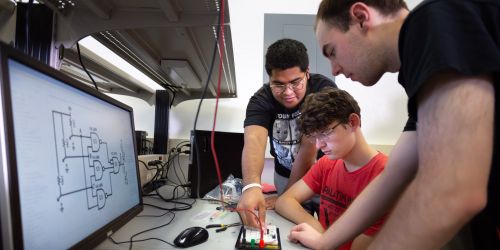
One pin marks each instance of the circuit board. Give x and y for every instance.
(249, 238)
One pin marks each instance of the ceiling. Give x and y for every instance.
(170, 41)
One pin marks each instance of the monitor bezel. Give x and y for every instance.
(7, 52)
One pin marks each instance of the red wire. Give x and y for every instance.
(212, 141)
(260, 224)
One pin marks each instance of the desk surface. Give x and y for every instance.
(199, 215)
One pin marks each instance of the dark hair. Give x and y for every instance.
(322, 108)
(336, 12)
(285, 54)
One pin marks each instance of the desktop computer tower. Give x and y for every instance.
(141, 142)
(202, 172)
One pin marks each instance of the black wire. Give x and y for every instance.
(180, 169)
(174, 200)
(169, 158)
(178, 149)
(175, 185)
(174, 154)
(209, 72)
(194, 146)
(178, 166)
(131, 241)
(167, 168)
(183, 189)
(184, 193)
(175, 169)
(83, 65)
(151, 229)
(180, 143)
(164, 167)
(150, 215)
(153, 180)
(146, 165)
(171, 209)
(161, 169)
(173, 97)
(141, 240)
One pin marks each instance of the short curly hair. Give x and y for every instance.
(286, 53)
(336, 12)
(322, 108)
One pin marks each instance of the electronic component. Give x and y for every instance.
(249, 238)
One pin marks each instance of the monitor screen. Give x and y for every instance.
(69, 158)
(229, 148)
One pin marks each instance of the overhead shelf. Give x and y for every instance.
(150, 35)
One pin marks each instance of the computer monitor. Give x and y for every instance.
(202, 172)
(69, 171)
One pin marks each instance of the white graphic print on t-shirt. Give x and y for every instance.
(286, 138)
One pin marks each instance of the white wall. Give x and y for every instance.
(144, 114)
(383, 106)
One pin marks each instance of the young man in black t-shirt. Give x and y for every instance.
(444, 170)
(273, 112)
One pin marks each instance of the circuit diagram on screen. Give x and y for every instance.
(85, 163)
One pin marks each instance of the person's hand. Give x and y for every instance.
(270, 201)
(252, 199)
(306, 235)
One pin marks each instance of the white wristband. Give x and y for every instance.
(251, 185)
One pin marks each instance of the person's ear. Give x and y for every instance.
(360, 14)
(354, 120)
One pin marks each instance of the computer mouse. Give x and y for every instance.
(191, 236)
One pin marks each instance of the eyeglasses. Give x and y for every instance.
(297, 84)
(323, 136)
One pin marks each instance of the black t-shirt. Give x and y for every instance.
(281, 123)
(459, 35)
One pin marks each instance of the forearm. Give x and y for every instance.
(252, 163)
(455, 151)
(252, 160)
(421, 221)
(293, 210)
(252, 168)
